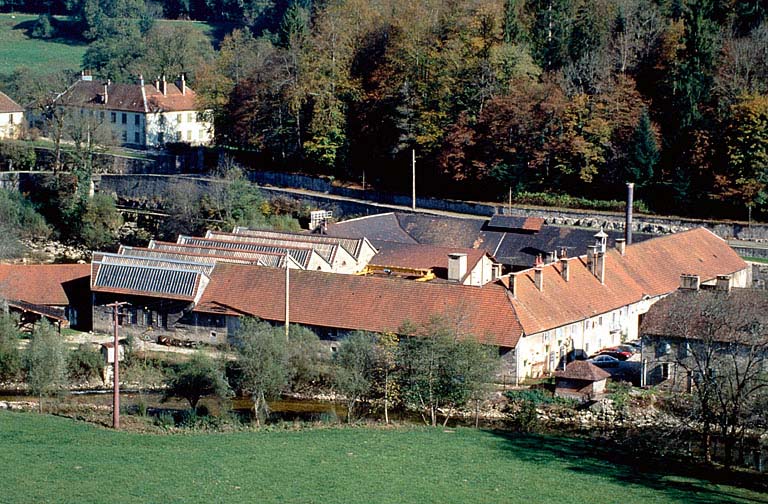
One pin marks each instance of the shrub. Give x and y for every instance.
(44, 27)
(566, 201)
(84, 363)
(17, 156)
(10, 357)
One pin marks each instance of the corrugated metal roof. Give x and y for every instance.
(326, 250)
(352, 245)
(228, 256)
(174, 263)
(301, 255)
(146, 280)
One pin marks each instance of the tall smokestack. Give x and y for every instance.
(630, 203)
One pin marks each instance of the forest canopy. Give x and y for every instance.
(561, 96)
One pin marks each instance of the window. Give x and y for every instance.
(10, 119)
(137, 119)
(664, 367)
(189, 135)
(101, 115)
(134, 316)
(124, 118)
(112, 117)
(136, 137)
(125, 136)
(179, 117)
(190, 117)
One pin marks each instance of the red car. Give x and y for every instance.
(615, 352)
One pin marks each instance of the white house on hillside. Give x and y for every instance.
(141, 115)
(11, 117)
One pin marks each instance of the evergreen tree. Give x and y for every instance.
(514, 31)
(644, 152)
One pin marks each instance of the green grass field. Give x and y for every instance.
(44, 56)
(52, 459)
(18, 50)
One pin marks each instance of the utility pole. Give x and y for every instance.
(510, 200)
(413, 179)
(116, 375)
(287, 297)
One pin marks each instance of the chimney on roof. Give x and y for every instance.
(621, 245)
(723, 283)
(495, 271)
(163, 86)
(183, 84)
(591, 253)
(85, 75)
(141, 81)
(601, 240)
(538, 278)
(157, 83)
(457, 266)
(513, 284)
(105, 98)
(628, 215)
(564, 271)
(600, 266)
(690, 282)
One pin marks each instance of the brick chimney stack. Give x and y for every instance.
(538, 278)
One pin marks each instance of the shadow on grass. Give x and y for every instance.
(66, 32)
(691, 483)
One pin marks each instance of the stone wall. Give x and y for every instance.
(759, 275)
(563, 217)
(147, 163)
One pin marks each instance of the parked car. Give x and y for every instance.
(626, 347)
(605, 361)
(617, 352)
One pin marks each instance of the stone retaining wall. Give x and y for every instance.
(562, 217)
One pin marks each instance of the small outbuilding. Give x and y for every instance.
(580, 380)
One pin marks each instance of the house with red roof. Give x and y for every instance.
(11, 117)
(59, 293)
(139, 114)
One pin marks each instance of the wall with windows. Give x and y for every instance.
(11, 124)
(150, 318)
(543, 353)
(186, 126)
(129, 127)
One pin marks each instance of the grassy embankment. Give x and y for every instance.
(18, 50)
(50, 459)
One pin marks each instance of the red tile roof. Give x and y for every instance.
(172, 101)
(128, 97)
(41, 284)
(651, 268)
(704, 314)
(583, 370)
(7, 105)
(364, 303)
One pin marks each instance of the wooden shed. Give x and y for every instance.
(580, 380)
